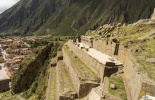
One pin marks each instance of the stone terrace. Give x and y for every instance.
(64, 84)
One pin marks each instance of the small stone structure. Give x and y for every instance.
(151, 60)
(112, 86)
(87, 40)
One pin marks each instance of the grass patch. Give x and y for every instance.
(83, 70)
(67, 83)
(147, 52)
(52, 90)
(120, 88)
(7, 96)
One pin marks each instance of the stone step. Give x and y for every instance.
(53, 62)
(96, 93)
(65, 88)
(59, 55)
(83, 77)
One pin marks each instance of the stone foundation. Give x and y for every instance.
(82, 86)
(136, 81)
(91, 62)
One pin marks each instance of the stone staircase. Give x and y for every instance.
(96, 94)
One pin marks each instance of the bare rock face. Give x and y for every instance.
(153, 15)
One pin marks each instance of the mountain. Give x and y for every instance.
(69, 17)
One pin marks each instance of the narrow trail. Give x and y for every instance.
(147, 35)
(19, 97)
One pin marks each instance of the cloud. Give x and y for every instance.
(5, 4)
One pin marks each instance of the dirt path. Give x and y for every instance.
(147, 35)
(19, 97)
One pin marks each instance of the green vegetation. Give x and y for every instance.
(27, 60)
(8, 96)
(37, 90)
(82, 68)
(120, 88)
(64, 77)
(146, 50)
(47, 41)
(71, 17)
(38, 43)
(5, 94)
(52, 84)
(141, 48)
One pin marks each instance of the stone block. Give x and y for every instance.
(112, 86)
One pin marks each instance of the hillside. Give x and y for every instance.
(69, 17)
(116, 55)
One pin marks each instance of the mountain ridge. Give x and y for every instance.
(69, 17)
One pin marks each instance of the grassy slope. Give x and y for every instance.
(145, 48)
(120, 88)
(65, 18)
(141, 49)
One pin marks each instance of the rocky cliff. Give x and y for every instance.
(67, 17)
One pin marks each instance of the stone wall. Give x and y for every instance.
(82, 88)
(91, 62)
(62, 94)
(133, 78)
(147, 89)
(87, 40)
(74, 75)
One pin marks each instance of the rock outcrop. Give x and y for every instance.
(26, 75)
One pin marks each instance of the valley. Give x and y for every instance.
(78, 50)
(100, 65)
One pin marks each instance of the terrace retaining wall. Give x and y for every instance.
(82, 88)
(91, 62)
(138, 85)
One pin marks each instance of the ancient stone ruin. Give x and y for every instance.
(81, 74)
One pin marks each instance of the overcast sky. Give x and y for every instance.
(5, 4)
